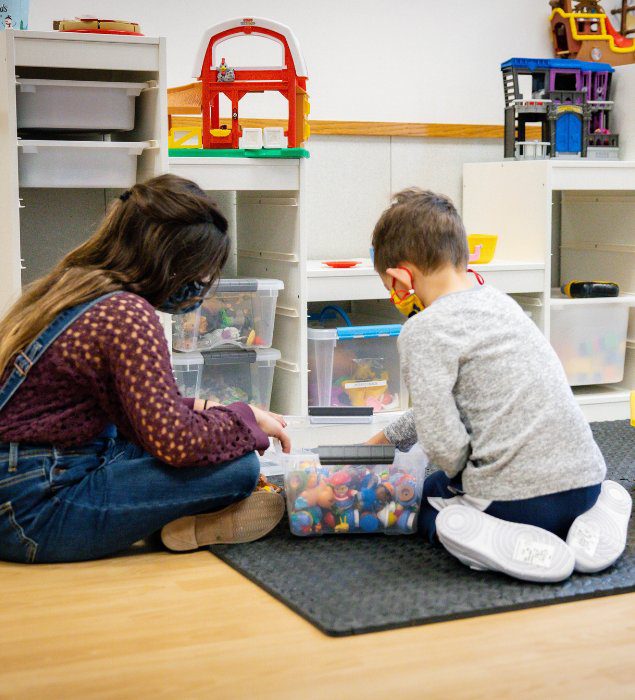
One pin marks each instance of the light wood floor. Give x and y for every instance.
(154, 624)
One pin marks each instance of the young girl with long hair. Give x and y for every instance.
(98, 449)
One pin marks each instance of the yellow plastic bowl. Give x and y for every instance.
(482, 247)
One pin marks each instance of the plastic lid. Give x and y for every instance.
(246, 285)
(230, 357)
(379, 331)
(180, 359)
(356, 454)
(267, 355)
(321, 333)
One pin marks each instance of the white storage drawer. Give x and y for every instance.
(589, 336)
(76, 105)
(43, 163)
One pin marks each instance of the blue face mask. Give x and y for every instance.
(188, 291)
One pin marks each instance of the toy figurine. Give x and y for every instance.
(306, 521)
(225, 74)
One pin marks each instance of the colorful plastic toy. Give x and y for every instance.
(352, 498)
(218, 78)
(569, 99)
(482, 247)
(583, 30)
(590, 290)
(94, 25)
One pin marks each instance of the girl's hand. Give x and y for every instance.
(378, 439)
(273, 425)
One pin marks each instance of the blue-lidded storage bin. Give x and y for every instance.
(356, 365)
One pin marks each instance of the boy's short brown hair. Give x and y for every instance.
(423, 228)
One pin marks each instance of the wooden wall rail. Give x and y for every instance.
(402, 129)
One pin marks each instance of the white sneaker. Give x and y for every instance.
(482, 541)
(598, 537)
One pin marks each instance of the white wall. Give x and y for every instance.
(373, 60)
(369, 60)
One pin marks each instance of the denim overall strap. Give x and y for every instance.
(27, 358)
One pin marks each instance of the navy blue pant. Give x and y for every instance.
(94, 500)
(554, 512)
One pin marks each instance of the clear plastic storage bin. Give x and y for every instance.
(237, 312)
(588, 335)
(76, 105)
(239, 375)
(356, 366)
(354, 489)
(188, 370)
(43, 163)
(227, 375)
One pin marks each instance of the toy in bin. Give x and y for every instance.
(237, 312)
(353, 365)
(354, 489)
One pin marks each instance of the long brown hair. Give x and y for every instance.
(155, 238)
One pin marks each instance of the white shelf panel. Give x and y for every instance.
(304, 434)
(528, 177)
(334, 284)
(87, 51)
(239, 174)
(559, 300)
(592, 175)
(600, 403)
(362, 282)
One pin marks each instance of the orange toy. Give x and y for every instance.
(582, 30)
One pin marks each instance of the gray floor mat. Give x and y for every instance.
(364, 583)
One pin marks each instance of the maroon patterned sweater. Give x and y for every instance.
(112, 365)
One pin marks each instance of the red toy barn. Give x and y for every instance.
(289, 79)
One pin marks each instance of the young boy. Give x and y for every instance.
(519, 471)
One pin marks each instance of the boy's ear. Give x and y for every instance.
(400, 275)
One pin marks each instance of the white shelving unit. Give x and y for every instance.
(265, 202)
(39, 225)
(572, 217)
(362, 282)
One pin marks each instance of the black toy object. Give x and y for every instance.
(577, 289)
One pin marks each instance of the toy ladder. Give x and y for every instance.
(627, 20)
(510, 87)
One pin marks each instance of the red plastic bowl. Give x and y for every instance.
(341, 263)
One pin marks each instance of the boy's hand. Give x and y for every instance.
(379, 439)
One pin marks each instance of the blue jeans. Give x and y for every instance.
(554, 512)
(97, 499)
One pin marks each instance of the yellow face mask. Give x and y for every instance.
(405, 300)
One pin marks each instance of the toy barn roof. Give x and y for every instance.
(532, 64)
(254, 23)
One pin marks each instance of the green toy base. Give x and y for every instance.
(238, 153)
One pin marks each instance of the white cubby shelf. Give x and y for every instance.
(362, 282)
(57, 181)
(571, 216)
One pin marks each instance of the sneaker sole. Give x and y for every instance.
(245, 521)
(598, 537)
(522, 551)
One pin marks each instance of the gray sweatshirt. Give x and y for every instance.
(490, 398)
